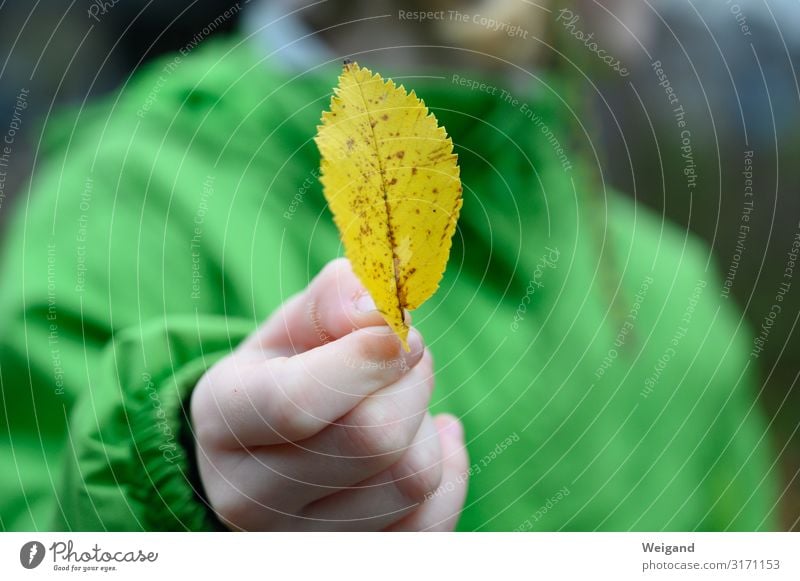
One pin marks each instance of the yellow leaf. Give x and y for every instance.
(392, 182)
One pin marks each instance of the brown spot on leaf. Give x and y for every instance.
(359, 189)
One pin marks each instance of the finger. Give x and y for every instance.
(441, 510)
(334, 304)
(364, 443)
(377, 502)
(290, 399)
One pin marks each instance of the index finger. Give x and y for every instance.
(283, 399)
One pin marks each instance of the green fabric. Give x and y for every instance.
(174, 217)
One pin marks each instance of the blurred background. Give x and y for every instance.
(733, 64)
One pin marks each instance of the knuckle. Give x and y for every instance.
(231, 504)
(246, 497)
(232, 509)
(426, 363)
(330, 273)
(206, 410)
(419, 473)
(198, 402)
(379, 438)
(425, 373)
(427, 360)
(237, 512)
(337, 265)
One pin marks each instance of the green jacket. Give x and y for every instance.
(602, 381)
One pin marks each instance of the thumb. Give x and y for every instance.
(334, 304)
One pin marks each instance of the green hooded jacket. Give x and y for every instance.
(602, 381)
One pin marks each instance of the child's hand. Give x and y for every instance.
(319, 421)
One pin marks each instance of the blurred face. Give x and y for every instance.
(482, 33)
(521, 31)
(503, 30)
(479, 34)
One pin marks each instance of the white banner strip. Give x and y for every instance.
(341, 556)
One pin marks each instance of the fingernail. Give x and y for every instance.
(415, 344)
(364, 303)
